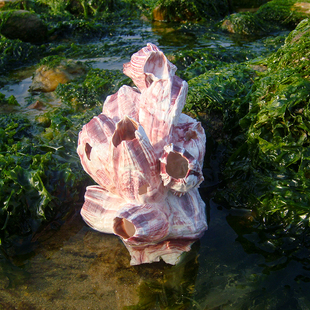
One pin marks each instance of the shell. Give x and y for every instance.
(146, 157)
(179, 170)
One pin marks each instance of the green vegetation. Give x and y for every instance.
(281, 12)
(270, 17)
(15, 53)
(273, 163)
(40, 172)
(266, 118)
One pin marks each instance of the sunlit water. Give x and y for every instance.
(70, 266)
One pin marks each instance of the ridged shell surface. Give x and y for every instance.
(146, 157)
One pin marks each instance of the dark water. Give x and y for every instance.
(233, 266)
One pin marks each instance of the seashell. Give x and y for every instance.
(189, 134)
(179, 170)
(147, 65)
(123, 103)
(146, 157)
(161, 223)
(100, 208)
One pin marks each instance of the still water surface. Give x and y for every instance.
(234, 265)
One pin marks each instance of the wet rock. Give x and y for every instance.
(242, 23)
(47, 79)
(159, 14)
(180, 11)
(38, 105)
(23, 25)
(6, 3)
(302, 7)
(283, 13)
(43, 121)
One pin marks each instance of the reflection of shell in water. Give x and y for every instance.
(147, 158)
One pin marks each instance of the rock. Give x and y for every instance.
(228, 26)
(5, 3)
(47, 79)
(242, 23)
(38, 105)
(159, 14)
(23, 25)
(302, 7)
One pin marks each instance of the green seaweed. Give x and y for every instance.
(245, 24)
(182, 10)
(94, 88)
(15, 53)
(269, 171)
(39, 177)
(281, 12)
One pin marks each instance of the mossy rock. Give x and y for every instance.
(178, 10)
(295, 53)
(272, 16)
(284, 12)
(23, 25)
(243, 4)
(10, 4)
(243, 23)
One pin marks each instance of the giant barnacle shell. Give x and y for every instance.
(146, 157)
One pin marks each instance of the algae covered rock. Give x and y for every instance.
(243, 23)
(283, 12)
(179, 10)
(23, 25)
(271, 16)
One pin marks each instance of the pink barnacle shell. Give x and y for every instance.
(100, 208)
(161, 230)
(94, 151)
(146, 224)
(189, 134)
(187, 216)
(135, 165)
(147, 65)
(125, 102)
(160, 107)
(147, 158)
(179, 170)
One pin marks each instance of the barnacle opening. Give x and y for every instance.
(155, 65)
(177, 165)
(88, 149)
(125, 130)
(191, 134)
(143, 189)
(124, 228)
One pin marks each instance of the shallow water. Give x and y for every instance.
(233, 266)
(73, 267)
